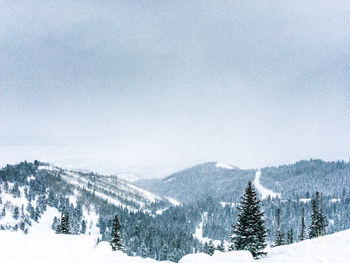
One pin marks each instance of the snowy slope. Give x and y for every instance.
(333, 248)
(226, 166)
(50, 248)
(219, 257)
(264, 192)
(128, 177)
(17, 248)
(110, 188)
(43, 247)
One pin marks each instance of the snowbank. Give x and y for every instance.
(16, 247)
(219, 257)
(333, 248)
(50, 248)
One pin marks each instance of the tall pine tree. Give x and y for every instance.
(249, 233)
(63, 226)
(318, 219)
(279, 236)
(290, 236)
(302, 234)
(116, 236)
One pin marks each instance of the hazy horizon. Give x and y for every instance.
(155, 87)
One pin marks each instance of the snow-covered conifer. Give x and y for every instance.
(116, 236)
(249, 233)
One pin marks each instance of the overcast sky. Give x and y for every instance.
(152, 87)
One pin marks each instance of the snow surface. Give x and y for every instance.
(223, 204)
(332, 248)
(9, 202)
(219, 257)
(17, 247)
(173, 201)
(305, 200)
(262, 190)
(51, 248)
(226, 166)
(43, 226)
(198, 234)
(128, 177)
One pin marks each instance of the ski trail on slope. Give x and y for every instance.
(262, 190)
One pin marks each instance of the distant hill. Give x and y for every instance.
(218, 180)
(226, 182)
(296, 180)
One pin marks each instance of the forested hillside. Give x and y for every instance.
(306, 177)
(217, 180)
(152, 226)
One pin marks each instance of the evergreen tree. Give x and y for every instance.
(318, 219)
(249, 233)
(54, 224)
(164, 252)
(321, 219)
(279, 237)
(15, 213)
(83, 227)
(211, 248)
(63, 226)
(116, 236)
(143, 251)
(302, 234)
(290, 236)
(221, 246)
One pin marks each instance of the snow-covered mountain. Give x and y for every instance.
(128, 177)
(208, 179)
(114, 189)
(27, 190)
(226, 182)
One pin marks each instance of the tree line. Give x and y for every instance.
(249, 233)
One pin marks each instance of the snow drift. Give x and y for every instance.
(16, 247)
(334, 248)
(219, 257)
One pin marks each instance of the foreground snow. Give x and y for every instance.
(333, 248)
(50, 248)
(43, 248)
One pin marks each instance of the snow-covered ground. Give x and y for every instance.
(173, 201)
(44, 225)
(219, 257)
(223, 204)
(16, 247)
(262, 190)
(50, 248)
(226, 166)
(305, 200)
(128, 177)
(198, 234)
(334, 248)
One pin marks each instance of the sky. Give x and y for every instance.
(152, 87)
